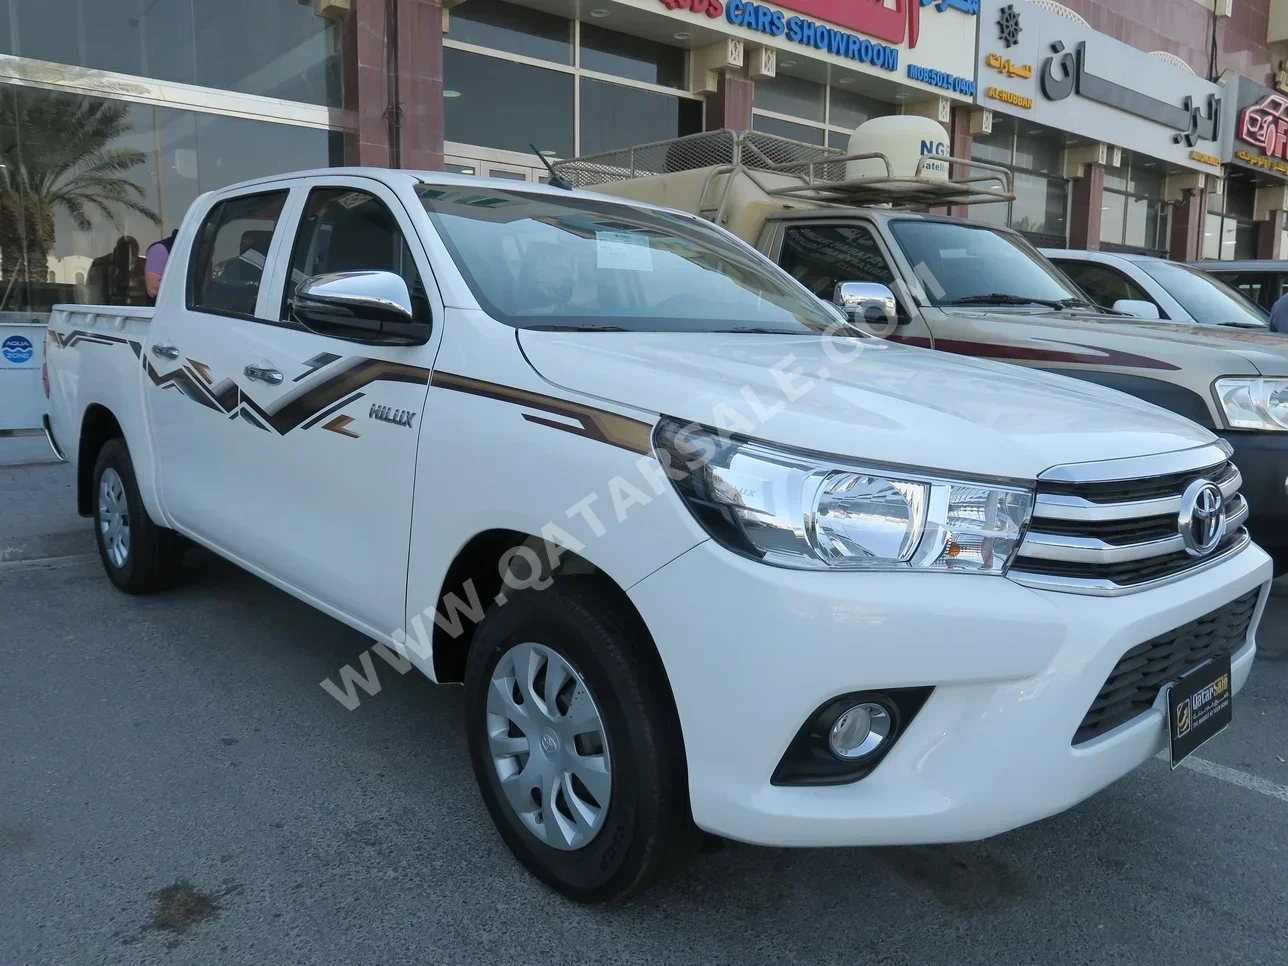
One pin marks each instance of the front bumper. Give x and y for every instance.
(1262, 459)
(751, 650)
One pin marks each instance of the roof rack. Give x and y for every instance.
(817, 174)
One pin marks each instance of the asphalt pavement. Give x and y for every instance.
(175, 787)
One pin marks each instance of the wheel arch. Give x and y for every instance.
(99, 426)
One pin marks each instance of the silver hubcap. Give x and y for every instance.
(114, 517)
(549, 746)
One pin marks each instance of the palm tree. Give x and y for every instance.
(56, 154)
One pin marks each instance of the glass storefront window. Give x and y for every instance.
(848, 110)
(1113, 218)
(786, 129)
(89, 183)
(785, 94)
(613, 116)
(1037, 152)
(497, 103)
(610, 52)
(512, 28)
(291, 53)
(1135, 216)
(1040, 205)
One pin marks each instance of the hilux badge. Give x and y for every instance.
(387, 414)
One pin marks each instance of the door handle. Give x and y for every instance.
(264, 374)
(165, 350)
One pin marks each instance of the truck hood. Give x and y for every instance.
(1169, 342)
(887, 403)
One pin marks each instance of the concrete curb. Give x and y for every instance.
(48, 545)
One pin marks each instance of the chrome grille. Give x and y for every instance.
(1114, 528)
(1132, 687)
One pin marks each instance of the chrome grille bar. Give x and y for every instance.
(1056, 506)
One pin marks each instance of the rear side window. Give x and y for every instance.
(230, 252)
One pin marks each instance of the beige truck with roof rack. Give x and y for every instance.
(853, 227)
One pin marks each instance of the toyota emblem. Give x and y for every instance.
(1202, 518)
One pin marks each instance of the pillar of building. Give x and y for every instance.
(419, 135)
(1085, 210)
(961, 145)
(1188, 219)
(730, 106)
(365, 40)
(1270, 235)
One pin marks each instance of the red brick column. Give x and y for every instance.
(960, 144)
(1268, 235)
(730, 105)
(366, 89)
(1085, 214)
(420, 84)
(1188, 221)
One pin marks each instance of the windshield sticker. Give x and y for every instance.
(623, 250)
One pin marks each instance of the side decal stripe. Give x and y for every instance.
(597, 424)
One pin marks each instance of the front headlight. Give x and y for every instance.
(1254, 403)
(793, 510)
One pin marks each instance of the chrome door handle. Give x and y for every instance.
(165, 350)
(264, 374)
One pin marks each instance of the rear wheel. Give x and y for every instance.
(573, 744)
(139, 556)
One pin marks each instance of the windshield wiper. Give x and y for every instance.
(1001, 298)
(752, 330)
(1246, 325)
(1076, 304)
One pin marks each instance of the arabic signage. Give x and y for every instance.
(1063, 75)
(927, 43)
(1257, 127)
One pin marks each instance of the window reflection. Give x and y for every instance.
(786, 129)
(512, 28)
(87, 184)
(504, 105)
(613, 116)
(291, 53)
(622, 55)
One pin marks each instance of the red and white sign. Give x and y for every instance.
(1264, 125)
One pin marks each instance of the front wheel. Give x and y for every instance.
(573, 743)
(139, 556)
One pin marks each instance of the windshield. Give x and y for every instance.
(1209, 300)
(545, 261)
(969, 264)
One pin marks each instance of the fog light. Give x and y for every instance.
(860, 731)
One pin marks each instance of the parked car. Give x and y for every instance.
(1156, 289)
(702, 557)
(964, 287)
(1264, 282)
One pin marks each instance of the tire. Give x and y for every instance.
(149, 558)
(645, 831)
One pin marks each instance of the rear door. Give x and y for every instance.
(821, 255)
(328, 453)
(200, 407)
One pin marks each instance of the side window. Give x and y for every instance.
(229, 254)
(1255, 285)
(1105, 285)
(819, 257)
(346, 230)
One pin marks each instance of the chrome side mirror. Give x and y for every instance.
(1137, 308)
(373, 307)
(867, 302)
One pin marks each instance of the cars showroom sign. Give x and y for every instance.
(929, 42)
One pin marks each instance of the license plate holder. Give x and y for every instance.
(1199, 707)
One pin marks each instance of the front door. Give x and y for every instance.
(332, 455)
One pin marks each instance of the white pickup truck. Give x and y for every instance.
(702, 556)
